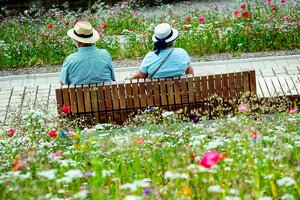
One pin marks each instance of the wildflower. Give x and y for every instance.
(49, 174)
(66, 109)
(135, 14)
(286, 181)
(216, 9)
(269, 2)
(149, 110)
(63, 134)
(186, 191)
(196, 120)
(50, 26)
(245, 14)
(255, 133)
(282, 1)
(237, 14)
(26, 12)
(223, 156)
(131, 29)
(57, 154)
(286, 17)
(17, 165)
(215, 189)
(10, 132)
(201, 19)
(146, 192)
(209, 159)
(53, 133)
(243, 6)
(103, 26)
(140, 20)
(193, 116)
(139, 140)
(67, 23)
(188, 20)
(274, 8)
(294, 110)
(88, 174)
(242, 107)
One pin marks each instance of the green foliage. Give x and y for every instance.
(126, 29)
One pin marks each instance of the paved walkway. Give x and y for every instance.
(273, 74)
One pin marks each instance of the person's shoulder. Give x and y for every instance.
(181, 51)
(71, 56)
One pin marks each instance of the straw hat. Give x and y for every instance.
(166, 32)
(83, 32)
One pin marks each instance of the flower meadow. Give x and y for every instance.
(238, 157)
(37, 36)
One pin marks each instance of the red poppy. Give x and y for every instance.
(282, 1)
(274, 8)
(103, 25)
(50, 26)
(243, 6)
(66, 109)
(10, 132)
(201, 19)
(255, 133)
(216, 9)
(67, 23)
(245, 14)
(53, 134)
(188, 20)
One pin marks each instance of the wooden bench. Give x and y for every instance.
(114, 101)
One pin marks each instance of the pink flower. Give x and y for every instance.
(243, 6)
(201, 19)
(26, 12)
(139, 140)
(255, 133)
(294, 110)
(53, 134)
(286, 17)
(282, 1)
(103, 25)
(135, 14)
(242, 107)
(274, 8)
(209, 159)
(237, 14)
(216, 9)
(269, 2)
(50, 26)
(57, 154)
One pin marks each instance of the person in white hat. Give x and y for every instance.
(165, 61)
(89, 64)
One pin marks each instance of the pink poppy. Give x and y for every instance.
(255, 133)
(243, 6)
(57, 154)
(242, 107)
(282, 1)
(103, 25)
(135, 14)
(269, 2)
(209, 159)
(216, 9)
(237, 14)
(201, 19)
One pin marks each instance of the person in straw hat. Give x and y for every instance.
(165, 61)
(89, 64)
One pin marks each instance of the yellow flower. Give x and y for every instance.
(186, 191)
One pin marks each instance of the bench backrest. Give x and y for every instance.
(114, 101)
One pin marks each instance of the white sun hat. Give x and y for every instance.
(164, 31)
(83, 32)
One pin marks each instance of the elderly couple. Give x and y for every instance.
(92, 65)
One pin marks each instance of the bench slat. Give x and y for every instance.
(116, 105)
(150, 92)
(232, 87)
(238, 81)
(218, 85)
(156, 92)
(108, 102)
(101, 101)
(135, 90)
(94, 100)
(246, 82)
(211, 85)
(225, 85)
(177, 92)
(163, 93)
(170, 94)
(129, 99)
(142, 91)
(74, 106)
(252, 82)
(191, 88)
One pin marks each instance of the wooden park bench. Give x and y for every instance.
(114, 101)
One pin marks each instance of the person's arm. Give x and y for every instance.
(64, 75)
(189, 70)
(137, 75)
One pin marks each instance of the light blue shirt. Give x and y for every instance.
(88, 65)
(175, 65)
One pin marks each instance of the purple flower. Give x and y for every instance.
(63, 134)
(88, 174)
(193, 116)
(146, 192)
(149, 110)
(196, 120)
